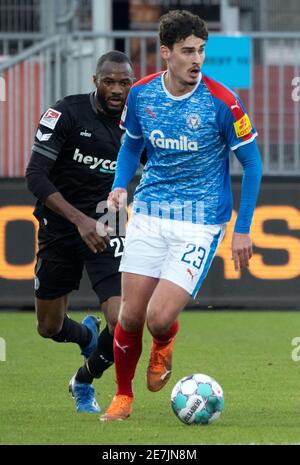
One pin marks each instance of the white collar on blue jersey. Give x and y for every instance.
(179, 97)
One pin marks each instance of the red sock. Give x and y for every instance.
(164, 339)
(127, 351)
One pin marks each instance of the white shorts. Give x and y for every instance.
(178, 251)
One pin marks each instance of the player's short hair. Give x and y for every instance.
(114, 57)
(178, 25)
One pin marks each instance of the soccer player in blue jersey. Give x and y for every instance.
(188, 124)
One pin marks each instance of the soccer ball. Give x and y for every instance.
(197, 399)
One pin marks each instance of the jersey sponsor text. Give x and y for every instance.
(105, 166)
(158, 139)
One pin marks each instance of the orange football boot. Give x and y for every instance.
(119, 409)
(160, 365)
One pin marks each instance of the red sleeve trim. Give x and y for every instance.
(147, 79)
(222, 93)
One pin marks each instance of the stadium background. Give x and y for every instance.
(48, 49)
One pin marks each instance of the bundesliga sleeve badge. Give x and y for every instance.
(50, 118)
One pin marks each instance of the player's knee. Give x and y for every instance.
(130, 324)
(111, 320)
(130, 317)
(47, 330)
(158, 325)
(131, 321)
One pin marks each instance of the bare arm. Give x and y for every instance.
(117, 199)
(241, 250)
(45, 152)
(38, 182)
(92, 232)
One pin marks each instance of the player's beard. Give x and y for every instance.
(106, 108)
(191, 80)
(191, 84)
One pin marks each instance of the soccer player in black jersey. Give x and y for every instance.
(70, 171)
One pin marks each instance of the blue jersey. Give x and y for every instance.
(188, 140)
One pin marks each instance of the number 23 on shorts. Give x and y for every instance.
(194, 255)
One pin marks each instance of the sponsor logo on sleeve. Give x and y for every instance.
(50, 118)
(243, 126)
(43, 137)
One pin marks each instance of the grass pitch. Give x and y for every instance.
(248, 353)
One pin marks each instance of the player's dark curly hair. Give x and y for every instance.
(115, 57)
(178, 25)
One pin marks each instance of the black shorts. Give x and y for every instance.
(60, 260)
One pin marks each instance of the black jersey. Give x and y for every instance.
(83, 144)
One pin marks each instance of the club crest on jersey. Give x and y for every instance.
(193, 121)
(50, 118)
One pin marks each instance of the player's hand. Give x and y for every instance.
(241, 250)
(94, 233)
(117, 199)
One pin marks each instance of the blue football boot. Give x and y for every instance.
(93, 323)
(84, 395)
